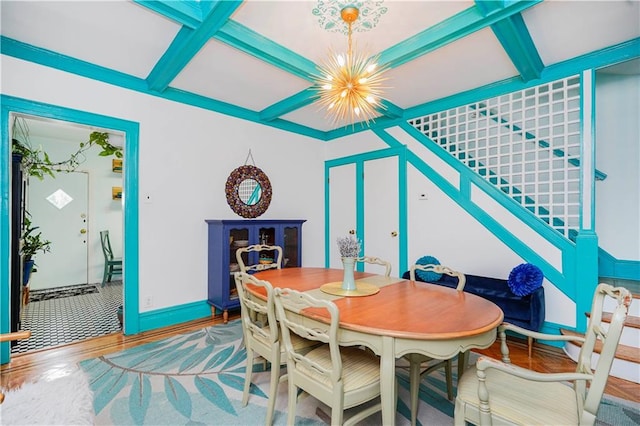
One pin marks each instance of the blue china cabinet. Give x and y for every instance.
(226, 236)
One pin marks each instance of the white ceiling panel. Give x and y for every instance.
(562, 30)
(279, 20)
(446, 71)
(217, 72)
(117, 35)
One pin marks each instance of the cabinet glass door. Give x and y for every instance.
(266, 236)
(291, 249)
(238, 237)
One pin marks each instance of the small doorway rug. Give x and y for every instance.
(61, 292)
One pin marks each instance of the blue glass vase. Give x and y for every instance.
(348, 281)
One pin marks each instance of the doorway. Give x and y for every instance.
(64, 289)
(129, 213)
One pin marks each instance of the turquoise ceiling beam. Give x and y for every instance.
(285, 106)
(37, 55)
(187, 13)
(310, 95)
(188, 43)
(454, 28)
(513, 35)
(249, 41)
(391, 110)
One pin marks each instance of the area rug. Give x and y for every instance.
(59, 293)
(62, 401)
(197, 378)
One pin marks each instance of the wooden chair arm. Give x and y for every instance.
(505, 326)
(485, 363)
(18, 335)
(536, 335)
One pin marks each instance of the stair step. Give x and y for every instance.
(627, 353)
(631, 321)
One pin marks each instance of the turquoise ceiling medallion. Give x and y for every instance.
(329, 18)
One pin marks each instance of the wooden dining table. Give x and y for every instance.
(404, 317)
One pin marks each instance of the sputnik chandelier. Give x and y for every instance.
(349, 85)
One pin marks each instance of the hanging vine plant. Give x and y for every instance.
(36, 161)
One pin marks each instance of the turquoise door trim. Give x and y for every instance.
(359, 161)
(130, 205)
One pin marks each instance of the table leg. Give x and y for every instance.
(388, 397)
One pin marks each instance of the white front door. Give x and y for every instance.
(342, 207)
(381, 222)
(60, 208)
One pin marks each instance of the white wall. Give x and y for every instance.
(186, 155)
(618, 155)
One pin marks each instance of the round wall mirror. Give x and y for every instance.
(248, 191)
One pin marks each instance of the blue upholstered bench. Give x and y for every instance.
(524, 311)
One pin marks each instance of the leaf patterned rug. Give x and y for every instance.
(197, 378)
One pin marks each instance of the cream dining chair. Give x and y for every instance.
(274, 262)
(262, 338)
(421, 365)
(499, 392)
(376, 261)
(340, 377)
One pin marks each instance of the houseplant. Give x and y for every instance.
(36, 161)
(32, 243)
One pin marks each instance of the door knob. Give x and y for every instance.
(353, 231)
(394, 234)
(83, 231)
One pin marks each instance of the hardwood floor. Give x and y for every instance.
(56, 362)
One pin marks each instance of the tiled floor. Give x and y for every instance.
(70, 319)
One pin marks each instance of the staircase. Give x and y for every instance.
(627, 362)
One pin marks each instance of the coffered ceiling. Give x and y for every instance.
(256, 59)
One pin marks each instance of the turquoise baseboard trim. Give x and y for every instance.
(174, 315)
(610, 267)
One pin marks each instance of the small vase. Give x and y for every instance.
(348, 281)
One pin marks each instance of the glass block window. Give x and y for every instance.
(527, 143)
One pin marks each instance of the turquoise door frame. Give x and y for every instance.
(11, 105)
(359, 160)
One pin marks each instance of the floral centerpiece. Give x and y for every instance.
(349, 248)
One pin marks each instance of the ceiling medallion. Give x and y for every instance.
(330, 18)
(349, 86)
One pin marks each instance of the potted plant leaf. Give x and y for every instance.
(32, 243)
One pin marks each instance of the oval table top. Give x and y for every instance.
(402, 308)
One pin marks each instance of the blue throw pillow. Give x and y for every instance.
(524, 279)
(428, 276)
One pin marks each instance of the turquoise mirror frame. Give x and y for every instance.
(248, 205)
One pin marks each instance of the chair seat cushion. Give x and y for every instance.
(519, 400)
(360, 368)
